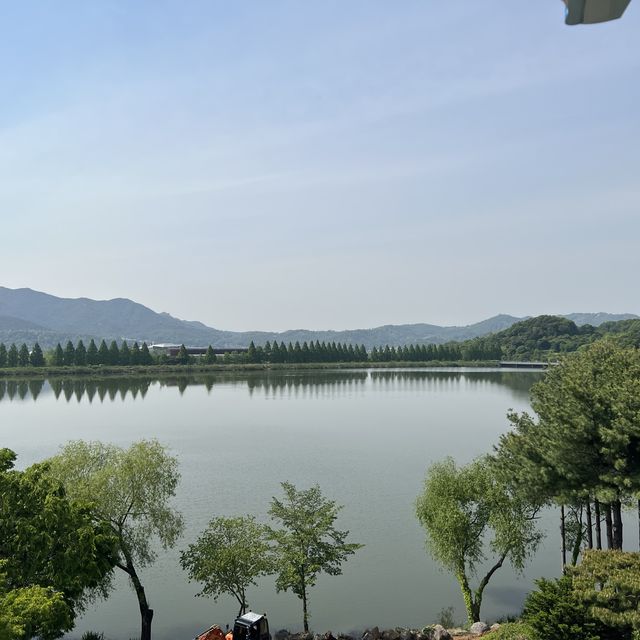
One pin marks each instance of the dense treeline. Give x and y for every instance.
(541, 338)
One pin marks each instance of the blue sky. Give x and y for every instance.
(337, 164)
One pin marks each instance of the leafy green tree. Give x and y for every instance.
(460, 508)
(50, 541)
(210, 356)
(69, 354)
(36, 358)
(130, 492)
(92, 353)
(80, 357)
(3, 355)
(12, 356)
(307, 543)
(23, 356)
(32, 611)
(228, 557)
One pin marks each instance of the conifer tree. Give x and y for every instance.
(69, 354)
(92, 353)
(80, 357)
(57, 359)
(125, 354)
(103, 353)
(210, 356)
(145, 357)
(36, 359)
(183, 356)
(114, 353)
(23, 356)
(135, 354)
(12, 356)
(3, 355)
(252, 355)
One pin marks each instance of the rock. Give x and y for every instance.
(390, 634)
(345, 636)
(371, 634)
(494, 627)
(478, 628)
(407, 634)
(282, 634)
(440, 633)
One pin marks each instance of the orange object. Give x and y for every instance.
(212, 633)
(229, 636)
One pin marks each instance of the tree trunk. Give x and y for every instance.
(484, 582)
(589, 524)
(617, 524)
(146, 614)
(563, 535)
(609, 522)
(467, 596)
(639, 524)
(598, 529)
(305, 613)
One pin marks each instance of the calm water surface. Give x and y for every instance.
(366, 437)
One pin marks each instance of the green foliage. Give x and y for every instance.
(446, 617)
(80, 356)
(92, 635)
(517, 631)
(69, 354)
(459, 508)
(228, 557)
(3, 355)
(36, 358)
(32, 611)
(92, 353)
(23, 356)
(608, 582)
(49, 541)
(307, 543)
(129, 490)
(555, 611)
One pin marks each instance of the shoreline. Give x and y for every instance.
(106, 371)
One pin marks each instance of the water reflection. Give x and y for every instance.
(291, 384)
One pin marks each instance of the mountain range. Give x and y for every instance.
(32, 316)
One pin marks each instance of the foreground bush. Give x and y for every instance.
(514, 631)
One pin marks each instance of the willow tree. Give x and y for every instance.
(130, 490)
(473, 520)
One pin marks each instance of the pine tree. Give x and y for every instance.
(135, 354)
(210, 356)
(114, 353)
(12, 356)
(145, 357)
(103, 353)
(125, 354)
(92, 353)
(252, 355)
(23, 356)
(183, 356)
(80, 358)
(57, 359)
(3, 355)
(36, 358)
(69, 354)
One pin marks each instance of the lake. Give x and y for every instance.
(366, 437)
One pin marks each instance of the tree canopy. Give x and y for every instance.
(459, 508)
(307, 543)
(228, 557)
(130, 491)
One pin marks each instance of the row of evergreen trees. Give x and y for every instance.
(76, 355)
(312, 352)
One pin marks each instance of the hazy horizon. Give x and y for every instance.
(271, 166)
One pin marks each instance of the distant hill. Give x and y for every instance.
(30, 316)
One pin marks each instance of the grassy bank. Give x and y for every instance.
(103, 371)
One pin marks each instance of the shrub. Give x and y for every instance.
(554, 611)
(446, 617)
(93, 635)
(514, 631)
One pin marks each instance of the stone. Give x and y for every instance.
(478, 628)
(494, 627)
(407, 634)
(281, 634)
(371, 634)
(440, 633)
(390, 634)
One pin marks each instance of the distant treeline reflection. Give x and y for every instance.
(269, 384)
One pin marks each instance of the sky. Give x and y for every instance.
(321, 164)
